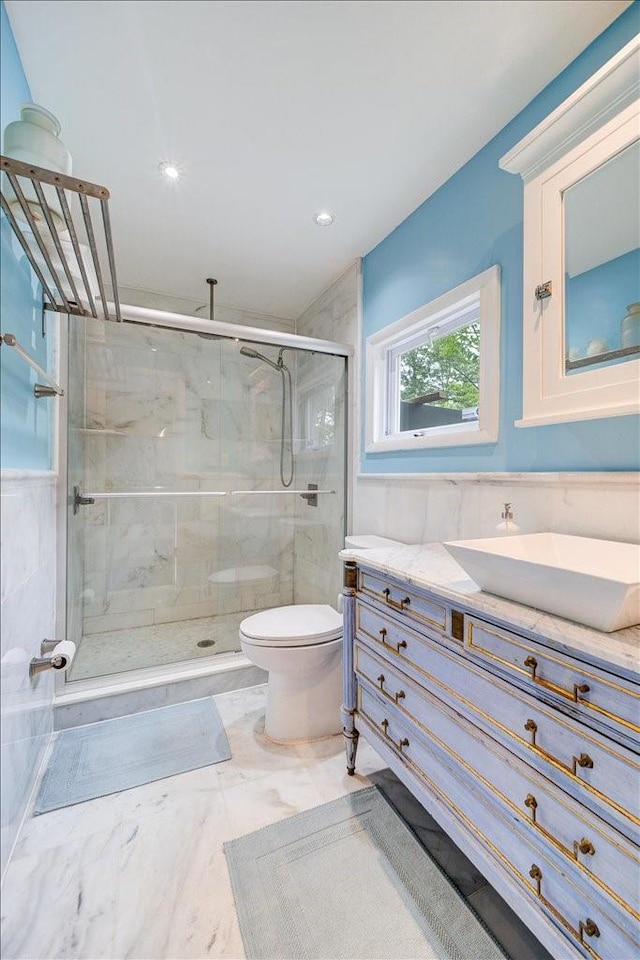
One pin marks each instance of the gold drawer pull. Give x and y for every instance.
(400, 695)
(573, 695)
(586, 928)
(396, 604)
(584, 760)
(536, 874)
(531, 802)
(400, 645)
(400, 744)
(589, 928)
(583, 846)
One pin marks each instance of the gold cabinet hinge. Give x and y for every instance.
(457, 625)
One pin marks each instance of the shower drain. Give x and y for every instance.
(206, 643)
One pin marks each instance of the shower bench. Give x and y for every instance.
(516, 730)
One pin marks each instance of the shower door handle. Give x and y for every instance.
(80, 501)
(311, 498)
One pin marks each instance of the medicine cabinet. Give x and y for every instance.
(581, 311)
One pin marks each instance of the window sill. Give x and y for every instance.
(452, 438)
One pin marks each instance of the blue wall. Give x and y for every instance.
(592, 312)
(473, 221)
(25, 427)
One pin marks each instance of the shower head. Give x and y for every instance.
(250, 352)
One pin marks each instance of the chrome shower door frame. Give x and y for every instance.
(235, 332)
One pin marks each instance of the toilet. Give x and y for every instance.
(301, 648)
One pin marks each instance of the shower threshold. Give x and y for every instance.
(103, 698)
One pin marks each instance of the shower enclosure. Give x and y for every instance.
(190, 458)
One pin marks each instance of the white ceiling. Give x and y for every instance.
(277, 109)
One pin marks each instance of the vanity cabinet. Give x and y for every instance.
(525, 753)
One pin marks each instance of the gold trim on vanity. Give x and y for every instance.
(375, 588)
(472, 826)
(586, 927)
(490, 786)
(452, 695)
(530, 666)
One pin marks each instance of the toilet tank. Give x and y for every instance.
(367, 541)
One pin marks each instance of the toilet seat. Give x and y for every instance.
(299, 625)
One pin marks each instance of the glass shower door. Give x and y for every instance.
(179, 524)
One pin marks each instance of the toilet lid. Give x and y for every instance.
(299, 625)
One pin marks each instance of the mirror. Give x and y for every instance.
(602, 264)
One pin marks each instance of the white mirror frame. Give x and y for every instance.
(486, 287)
(597, 122)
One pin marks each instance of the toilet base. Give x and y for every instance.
(304, 707)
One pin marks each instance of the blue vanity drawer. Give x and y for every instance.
(542, 808)
(560, 891)
(542, 736)
(411, 605)
(556, 677)
(549, 811)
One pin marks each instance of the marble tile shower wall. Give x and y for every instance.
(172, 411)
(320, 532)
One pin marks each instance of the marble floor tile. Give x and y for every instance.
(69, 824)
(270, 799)
(173, 897)
(61, 903)
(142, 874)
(253, 755)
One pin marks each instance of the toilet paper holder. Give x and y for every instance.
(48, 662)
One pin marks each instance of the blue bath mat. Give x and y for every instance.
(113, 755)
(294, 885)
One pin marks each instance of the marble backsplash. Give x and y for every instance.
(433, 508)
(27, 613)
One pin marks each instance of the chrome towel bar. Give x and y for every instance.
(39, 390)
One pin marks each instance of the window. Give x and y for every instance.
(432, 377)
(317, 418)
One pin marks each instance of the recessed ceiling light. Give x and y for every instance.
(170, 171)
(324, 218)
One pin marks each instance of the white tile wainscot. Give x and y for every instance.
(28, 563)
(515, 729)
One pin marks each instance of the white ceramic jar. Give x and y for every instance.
(35, 139)
(630, 328)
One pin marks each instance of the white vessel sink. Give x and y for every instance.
(594, 582)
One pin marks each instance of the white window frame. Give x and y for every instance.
(475, 299)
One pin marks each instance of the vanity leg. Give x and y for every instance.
(348, 674)
(351, 736)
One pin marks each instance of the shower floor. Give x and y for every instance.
(117, 651)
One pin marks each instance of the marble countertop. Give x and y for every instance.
(429, 565)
